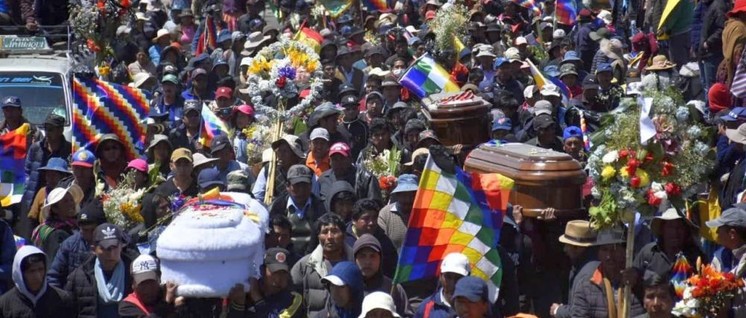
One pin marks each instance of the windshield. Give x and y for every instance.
(40, 93)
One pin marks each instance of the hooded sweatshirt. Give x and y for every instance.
(337, 187)
(20, 302)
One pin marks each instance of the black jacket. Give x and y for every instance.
(365, 184)
(304, 236)
(179, 139)
(713, 23)
(55, 303)
(81, 284)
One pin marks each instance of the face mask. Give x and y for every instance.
(397, 71)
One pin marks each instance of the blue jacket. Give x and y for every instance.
(696, 33)
(433, 307)
(72, 252)
(7, 253)
(37, 157)
(155, 53)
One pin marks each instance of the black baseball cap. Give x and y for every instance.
(219, 143)
(276, 259)
(55, 120)
(92, 213)
(107, 235)
(543, 121)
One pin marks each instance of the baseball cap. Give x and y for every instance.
(299, 173)
(170, 78)
(276, 259)
(500, 61)
(345, 273)
(349, 100)
(293, 142)
(550, 90)
(738, 113)
(735, 217)
(181, 153)
(220, 142)
(92, 213)
(571, 132)
(366, 241)
(601, 33)
(589, 82)
(502, 123)
(415, 124)
(455, 263)
(223, 92)
(543, 121)
(54, 120)
(339, 148)
(107, 235)
(603, 67)
(406, 183)
(520, 41)
(319, 133)
(191, 105)
(197, 72)
(379, 300)
(12, 101)
(427, 134)
(139, 165)
(542, 107)
(472, 288)
(83, 158)
(144, 267)
(238, 181)
(209, 177)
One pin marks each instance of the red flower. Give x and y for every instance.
(672, 189)
(634, 182)
(632, 165)
(101, 5)
(623, 154)
(667, 169)
(281, 82)
(92, 45)
(125, 3)
(649, 157)
(652, 199)
(386, 182)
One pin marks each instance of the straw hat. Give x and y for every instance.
(660, 63)
(737, 135)
(57, 194)
(161, 33)
(579, 233)
(668, 215)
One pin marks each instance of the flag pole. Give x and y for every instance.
(629, 218)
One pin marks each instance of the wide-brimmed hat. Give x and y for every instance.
(579, 233)
(670, 214)
(157, 139)
(254, 40)
(56, 164)
(737, 135)
(660, 63)
(57, 194)
(601, 33)
(161, 33)
(293, 142)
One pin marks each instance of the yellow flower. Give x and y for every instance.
(644, 177)
(608, 172)
(624, 173)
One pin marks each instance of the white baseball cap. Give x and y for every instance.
(378, 300)
(550, 90)
(520, 40)
(455, 263)
(528, 92)
(320, 133)
(144, 267)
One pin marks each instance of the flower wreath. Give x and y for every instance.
(284, 69)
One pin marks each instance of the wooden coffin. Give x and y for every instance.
(458, 118)
(543, 178)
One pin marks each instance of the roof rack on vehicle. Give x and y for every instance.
(48, 40)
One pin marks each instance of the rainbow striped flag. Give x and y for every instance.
(566, 12)
(211, 127)
(102, 108)
(310, 37)
(680, 272)
(426, 77)
(377, 5)
(455, 212)
(530, 5)
(13, 148)
(208, 40)
(336, 7)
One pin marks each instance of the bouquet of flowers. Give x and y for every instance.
(97, 22)
(632, 175)
(123, 203)
(258, 138)
(707, 293)
(449, 25)
(284, 69)
(385, 166)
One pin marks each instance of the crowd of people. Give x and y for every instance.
(335, 231)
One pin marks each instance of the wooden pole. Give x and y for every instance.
(270, 191)
(629, 258)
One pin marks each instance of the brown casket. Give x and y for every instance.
(543, 178)
(458, 118)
